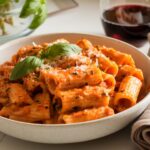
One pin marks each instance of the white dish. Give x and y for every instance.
(70, 133)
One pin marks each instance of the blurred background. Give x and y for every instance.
(127, 20)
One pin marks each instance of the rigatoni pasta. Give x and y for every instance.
(18, 95)
(88, 114)
(74, 77)
(80, 98)
(117, 56)
(128, 93)
(107, 65)
(127, 70)
(30, 113)
(62, 82)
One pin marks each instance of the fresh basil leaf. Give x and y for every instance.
(60, 49)
(24, 67)
(30, 7)
(39, 17)
(38, 9)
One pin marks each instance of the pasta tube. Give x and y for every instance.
(85, 44)
(79, 99)
(30, 113)
(107, 65)
(74, 77)
(109, 81)
(88, 114)
(119, 57)
(104, 62)
(18, 94)
(128, 93)
(127, 70)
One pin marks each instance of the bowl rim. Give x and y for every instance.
(5, 45)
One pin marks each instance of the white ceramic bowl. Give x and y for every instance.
(80, 131)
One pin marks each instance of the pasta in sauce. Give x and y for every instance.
(94, 84)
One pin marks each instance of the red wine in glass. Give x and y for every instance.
(127, 22)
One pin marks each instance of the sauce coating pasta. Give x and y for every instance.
(94, 83)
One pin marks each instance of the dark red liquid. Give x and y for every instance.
(127, 22)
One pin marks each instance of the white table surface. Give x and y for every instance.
(83, 19)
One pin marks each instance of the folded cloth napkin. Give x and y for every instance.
(140, 134)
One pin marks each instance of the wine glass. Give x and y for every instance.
(127, 20)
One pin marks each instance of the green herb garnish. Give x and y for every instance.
(30, 63)
(30, 7)
(24, 67)
(60, 49)
(38, 9)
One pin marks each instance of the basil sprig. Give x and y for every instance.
(60, 49)
(38, 9)
(30, 63)
(24, 67)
